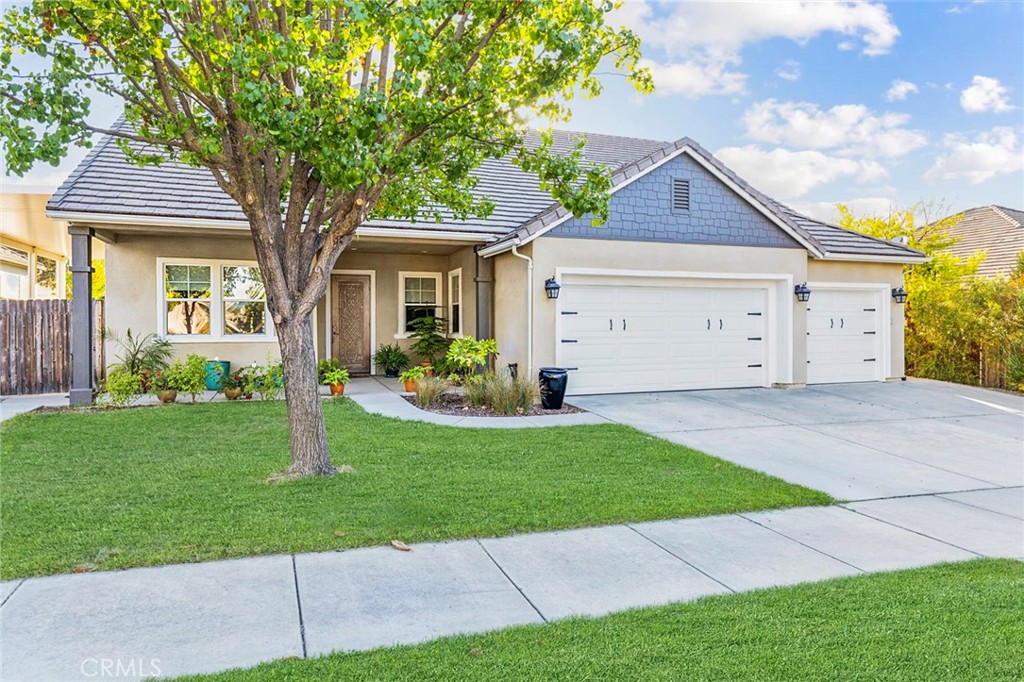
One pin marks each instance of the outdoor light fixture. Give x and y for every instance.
(803, 294)
(899, 294)
(551, 288)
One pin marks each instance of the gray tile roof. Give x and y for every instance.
(107, 183)
(995, 230)
(828, 239)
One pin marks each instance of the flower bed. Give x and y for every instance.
(456, 405)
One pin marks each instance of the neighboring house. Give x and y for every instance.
(994, 230)
(689, 285)
(34, 250)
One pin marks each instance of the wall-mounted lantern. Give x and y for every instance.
(803, 293)
(551, 288)
(899, 294)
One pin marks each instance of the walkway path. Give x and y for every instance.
(212, 616)
(12, 405)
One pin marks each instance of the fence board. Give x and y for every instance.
(36, 338)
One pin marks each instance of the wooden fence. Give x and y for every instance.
(36, 338)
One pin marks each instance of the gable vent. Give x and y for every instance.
(680, 195)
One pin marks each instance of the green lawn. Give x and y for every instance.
(179, 483)
(954, 622)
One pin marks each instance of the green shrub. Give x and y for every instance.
(141, 354)
(390, 359)
(430, 389)
(467, 355)
(431, 343)
(264, 380)
(503, 394)
(189, 376)
(327, 365)
(123, 387)
(339, 375)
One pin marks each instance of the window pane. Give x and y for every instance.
(413, 312)
(456, 321)
(13, 280)
(46, 277)
(9, 254)
(187, 281)
(422, 290)
(244, 318)
(188, 317)
(244, 281)
(199, 281)
(456, 286)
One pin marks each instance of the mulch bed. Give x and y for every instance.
(455, 405)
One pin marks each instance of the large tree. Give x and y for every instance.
(315, 115)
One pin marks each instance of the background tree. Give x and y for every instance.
(315, 115)
(959, 327)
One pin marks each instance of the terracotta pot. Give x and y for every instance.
(430, 370)
(410, 386)
(167, 396)
(337, 389)
(232, 393)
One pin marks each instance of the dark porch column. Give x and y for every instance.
(82, 374)
(484, 297)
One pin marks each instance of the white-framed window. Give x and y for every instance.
(14, 273)
(28, 273)
(420, 294)
(208, 300)
(455, 302)
(47, 277)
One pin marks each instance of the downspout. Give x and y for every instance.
(529, 307)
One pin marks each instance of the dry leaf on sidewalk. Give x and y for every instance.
(401, 546)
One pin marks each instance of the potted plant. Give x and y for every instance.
(191, 375)
(165, 384)
(431, 343)
(336, 379)
(411, 376)
(391, 359)
(231, 383)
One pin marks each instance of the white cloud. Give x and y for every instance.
(784, 174)
(860, 206)
(900, 89)
(985, 94)
(702, 41)
(850, 129)
(991, 153)
(790, 70)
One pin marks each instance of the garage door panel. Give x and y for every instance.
(843, 336)
(659, 337)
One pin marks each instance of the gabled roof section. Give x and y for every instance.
(821, 239)
(995, 230)
(107, 184)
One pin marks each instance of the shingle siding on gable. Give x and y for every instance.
(642, 211)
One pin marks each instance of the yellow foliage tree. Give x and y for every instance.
(959, 327)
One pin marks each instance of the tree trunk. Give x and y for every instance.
(310, 455)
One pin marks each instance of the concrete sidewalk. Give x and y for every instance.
(213, 616)
(12, 405)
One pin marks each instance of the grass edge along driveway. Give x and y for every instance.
(953, 622)
(95, 490)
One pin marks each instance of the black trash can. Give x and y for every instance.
(552, 387)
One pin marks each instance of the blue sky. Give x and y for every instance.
(819, 102)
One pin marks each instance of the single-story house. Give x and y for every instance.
(690, 284)
(997, 232)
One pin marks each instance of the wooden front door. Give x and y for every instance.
(350, 321)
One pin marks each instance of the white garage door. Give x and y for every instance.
(621, 338)
(844, 339)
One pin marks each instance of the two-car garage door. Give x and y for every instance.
(676, 334)
(642, 337)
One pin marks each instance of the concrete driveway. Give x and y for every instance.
(853, 441)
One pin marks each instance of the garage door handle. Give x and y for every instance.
(719, 325)
(842, 322)
(709, 324)
(610, 325)
(623, 325)
(831, 323)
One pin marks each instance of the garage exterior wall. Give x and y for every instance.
(551, 253)
(888, 274)
(133, 289)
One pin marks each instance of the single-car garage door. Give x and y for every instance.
(626, 338)
(844, 336)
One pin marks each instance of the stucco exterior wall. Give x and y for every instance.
(642, 211)
(133, 292)
(890, 274)
(550, 253)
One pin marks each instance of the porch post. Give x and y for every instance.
(82, 332)
(484, 297)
